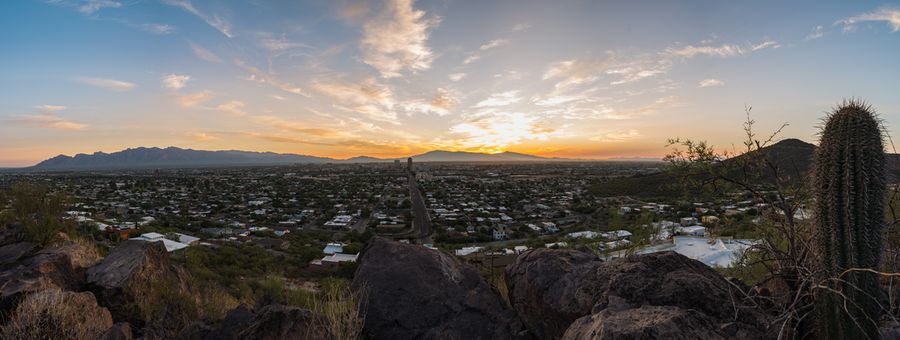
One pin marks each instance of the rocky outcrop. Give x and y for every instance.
(118, 331)
(563, 283)
(551, 288)
(283, 322)
(418, 293)
(35, 274)
(122, 280)
(55, 314)
(12, 253)
(274, 322)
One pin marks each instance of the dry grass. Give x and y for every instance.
(51, 315)
(342, 310)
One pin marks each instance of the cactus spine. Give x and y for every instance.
(849, 187)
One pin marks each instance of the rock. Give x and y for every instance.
(551, 288)
(278, 322)
(55, 314)
(417, 293)
(547, 288)
(124, 278)
(35, 274)
(196, 330)
(11, 234)
(118, 331)
(235, 321)
(12, 253)
(82, 255)
(646, 322)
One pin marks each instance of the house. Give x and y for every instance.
(333, 261)
(688, 221)
(157, 237)
(333, 248)
(617, 235)
(465, 251)
(520, 249)
(695, 230)
(556, 245)
(550, 227)
(499, 234)
(588, 234)
(708, 219)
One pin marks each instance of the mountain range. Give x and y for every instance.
(173, 157)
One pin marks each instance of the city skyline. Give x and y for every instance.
(588, 80)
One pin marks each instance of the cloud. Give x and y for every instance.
(493, 44)
(616, 69)
(299, 127)
(157, 28)
(395, 40)
(522, 27)
(616, 137)
(235, 107)
(500, 99)
(279, 44)
(50, 108)
(710, 83)
(816, 33)
(201, 136)
(214, 21)
(441, 104)
(277, 97)
(47, 121)
(496, 132)
(257, 75)
(87, 7)
(366, 97)
(109, 84)
(352, 9)
(889, 15)
(721, 51)
(471, 58)
(204, 54)
(456, 76)
(193, 99)
(175, 81)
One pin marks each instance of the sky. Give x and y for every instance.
(342, 78)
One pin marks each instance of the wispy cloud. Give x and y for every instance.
(234, 107)
(395, 40)
(710, 83)
(616, 137)
(456, 76)
(109, 84)
(721, 51)
(201, 136)
(816, 33)
(259, 76)
(215, 21)
(500, 99)
(493, 44)
(87, 7)
(521, 27)
(193, 99)
(497, 132)
(157, 28)
(295, 126)
(367, 97)
(441, 104)
(48, 118)
(886, 14)
(203, 53)
(278, 44)
(175, 81)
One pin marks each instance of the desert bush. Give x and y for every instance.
(341, 309)
(49, 315)
(39, 212)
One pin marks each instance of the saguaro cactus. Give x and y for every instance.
(849, 187)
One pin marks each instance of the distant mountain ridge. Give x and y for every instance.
(173, 157)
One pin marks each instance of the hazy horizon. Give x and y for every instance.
(386, 79)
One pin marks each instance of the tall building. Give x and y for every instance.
(409, 164)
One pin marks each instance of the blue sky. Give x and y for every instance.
(586, 79)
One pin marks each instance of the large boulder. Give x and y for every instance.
(278, 322)
(275, 322)
(124, 280)
(35, 274)
(417, 293)
(551, 288)
(12, 253)
(118, 331)
(55, 314)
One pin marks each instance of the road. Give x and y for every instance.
(421, 219)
